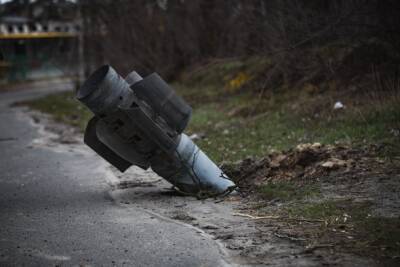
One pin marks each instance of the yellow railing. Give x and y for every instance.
(38, 35)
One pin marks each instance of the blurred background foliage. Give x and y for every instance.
(302, 40)
(261, 74)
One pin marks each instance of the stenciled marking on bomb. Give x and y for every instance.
(140, 121)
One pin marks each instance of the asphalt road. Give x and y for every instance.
(55, 209)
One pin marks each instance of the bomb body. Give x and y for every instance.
(140, 121)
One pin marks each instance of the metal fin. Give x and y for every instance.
(94, 143)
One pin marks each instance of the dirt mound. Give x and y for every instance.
(303, 163)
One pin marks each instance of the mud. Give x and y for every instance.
(307, 162)
(356, 188)
(341, 171)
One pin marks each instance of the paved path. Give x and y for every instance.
(55, 208)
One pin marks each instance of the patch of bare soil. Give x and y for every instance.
(307, 162)
(329, 199)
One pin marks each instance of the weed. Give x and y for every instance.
(326, 210)
(285, 190)
(369, 235)
(64, 108)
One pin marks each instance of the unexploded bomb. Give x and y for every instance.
(140, 121)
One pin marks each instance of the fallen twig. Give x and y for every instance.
(305, 220)
(276, 218)
(256, 217)
(289, 237)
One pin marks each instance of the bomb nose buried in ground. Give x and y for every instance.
(140, 121)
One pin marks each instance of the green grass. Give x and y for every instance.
(371, 235)
(326, 210)
(234, 138)
(64, 108)
(287, 191)
(217, 73)
(239, 125)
